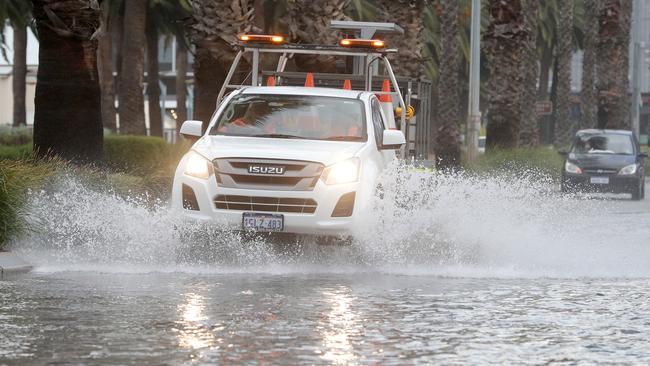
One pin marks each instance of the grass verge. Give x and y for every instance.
(542, 160)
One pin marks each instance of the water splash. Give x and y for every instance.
(421, 223)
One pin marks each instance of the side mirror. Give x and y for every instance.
(563, 152)
(392, 140)
(192, 129)
(643, 154)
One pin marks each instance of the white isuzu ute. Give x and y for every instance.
(293, 159)
(287, 159)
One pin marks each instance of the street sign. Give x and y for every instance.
(544, 108)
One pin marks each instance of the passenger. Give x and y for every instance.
(342, 126)
(254, 116)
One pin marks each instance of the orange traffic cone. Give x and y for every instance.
(270, 81)
(309, 80)
(347, 85)
(387, 104)
(385, 88)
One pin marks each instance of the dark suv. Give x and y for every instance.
(605, 161)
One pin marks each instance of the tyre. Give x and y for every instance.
(639, 192)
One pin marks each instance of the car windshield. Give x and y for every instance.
(293, 117)
(601, 143)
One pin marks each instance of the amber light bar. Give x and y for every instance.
(362, 43)
(261, 38)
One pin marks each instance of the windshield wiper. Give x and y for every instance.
(278, 136)
(343, 138)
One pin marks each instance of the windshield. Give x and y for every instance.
(293, 117)
(603, 144)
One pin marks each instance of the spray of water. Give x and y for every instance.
(421, 223)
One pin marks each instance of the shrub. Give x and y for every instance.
(15, 152)
(16, 178)
(136, 154)
(543, 160)
(15, 136)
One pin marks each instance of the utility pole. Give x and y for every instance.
(636, 72)
(474, 113)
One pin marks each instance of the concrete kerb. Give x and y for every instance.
(10, 263)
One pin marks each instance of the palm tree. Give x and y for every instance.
(19, 75)
(564, 51)
(446, 147)
(529, 131)
(105, 66)
(214, 28)
(67, 121)
(409, 14)
(308, 21)
(164, 17)
(18, 13)
(153, 80)
(131, 100)
(612, 66)
(589, 97)
(505, 41)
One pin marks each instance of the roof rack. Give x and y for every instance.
(288, 50)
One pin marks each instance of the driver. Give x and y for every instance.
(255, 115)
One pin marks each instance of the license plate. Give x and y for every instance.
(262, 222)
(599, 180)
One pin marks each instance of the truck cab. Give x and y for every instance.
(287, 159)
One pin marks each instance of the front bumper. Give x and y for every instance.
(617, 183)
(320, 222)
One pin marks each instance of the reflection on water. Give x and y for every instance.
(194, 332)
(339, 326)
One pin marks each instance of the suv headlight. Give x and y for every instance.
(572, 168)
(628, 170)
(346, 171)
(197, 166)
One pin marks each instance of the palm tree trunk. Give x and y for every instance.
(529, 132)
(308, 22)
(564, 52)
(153, 78)
(131, 99)
(19, 74)
(613, 43)
(67, 121)
(209, 75)
(105, 66)
(505, 41)
(181, 87)
(409, 14)
(215, 26)
(589, 97)
(446, 147)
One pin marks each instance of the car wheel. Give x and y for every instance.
(639, 192)
(643, 189)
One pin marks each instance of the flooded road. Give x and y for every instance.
(320, 318)
(480, 272)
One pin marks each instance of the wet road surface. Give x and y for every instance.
(564, 282)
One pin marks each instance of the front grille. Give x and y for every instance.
(265, 204)
(297, 176)
(601, 171)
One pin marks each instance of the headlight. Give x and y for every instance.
(344, 172)
(572, 168)
(628, 170)
(197, 166)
